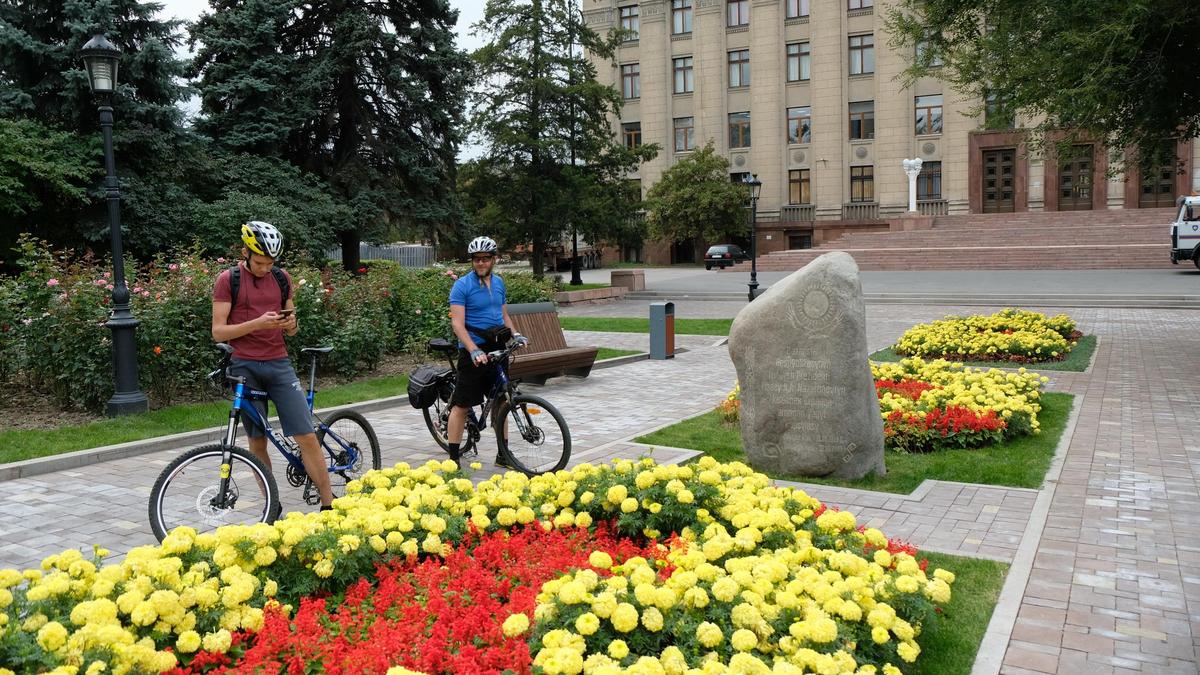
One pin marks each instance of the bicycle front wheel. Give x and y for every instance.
(533, 434)
(187, 492)
(351, 446)
(437, 419)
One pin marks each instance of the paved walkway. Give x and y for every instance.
(1106, 557)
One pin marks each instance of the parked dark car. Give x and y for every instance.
(724, 255)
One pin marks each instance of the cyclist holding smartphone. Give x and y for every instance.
(252, 308)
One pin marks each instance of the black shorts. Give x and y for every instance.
(473, 381)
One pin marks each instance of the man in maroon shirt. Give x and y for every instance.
(254, 328)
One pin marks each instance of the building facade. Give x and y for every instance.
(809, 96)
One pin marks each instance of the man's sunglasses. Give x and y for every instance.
(482, 258)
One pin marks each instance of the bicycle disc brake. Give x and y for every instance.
(207, 509)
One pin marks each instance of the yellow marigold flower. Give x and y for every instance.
(908, 651)
(624, 617)
(572, 593)
(744, 640)
(188, 642)
(907, 584)
(725, 589)
(880, 635)
(52, 636)
(943, 575)
(652, 619)
(709, 634)
(618, 649)
(629, 505)
(324, 568)
(515, 625)
(600, 560)
(617, 493)
(587, 623)
(218, 642)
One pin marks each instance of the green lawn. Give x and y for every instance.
(616, 325)
(19, 444)
(1021, 462)
(1077, 360)
(607, 353)
(949, 646)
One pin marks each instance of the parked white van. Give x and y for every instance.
(1185, 231)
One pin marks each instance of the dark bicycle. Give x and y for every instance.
(222, 484)
(531, 434)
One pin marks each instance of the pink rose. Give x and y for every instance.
(109, 287)
(107, 275)
(52, 282)
(220, 260)
(172, 267)
(137, 289)
(99, 282)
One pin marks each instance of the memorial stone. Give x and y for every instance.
(809, 406)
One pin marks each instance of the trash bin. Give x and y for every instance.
(662, 330)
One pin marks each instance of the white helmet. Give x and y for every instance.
(481, 245)
(262, 238)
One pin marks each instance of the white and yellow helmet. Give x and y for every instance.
(262, 238)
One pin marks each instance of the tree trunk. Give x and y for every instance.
(350, 258)
(539, 258)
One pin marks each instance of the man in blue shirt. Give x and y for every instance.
(478, 304)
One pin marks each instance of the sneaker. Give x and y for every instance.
(503, 462)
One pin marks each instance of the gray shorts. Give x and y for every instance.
(279, 380)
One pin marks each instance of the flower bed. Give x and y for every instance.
(1013, 335)
(939, 404)
(416, 568)
(934, 405)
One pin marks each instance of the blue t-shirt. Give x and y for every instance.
(484, 309)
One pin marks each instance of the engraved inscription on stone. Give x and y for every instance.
(809, 406)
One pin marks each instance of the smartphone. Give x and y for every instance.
(285, 313)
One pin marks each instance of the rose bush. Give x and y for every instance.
(52, 314)
(757, 578)
(1008, 335)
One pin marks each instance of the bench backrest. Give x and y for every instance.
(538, 321)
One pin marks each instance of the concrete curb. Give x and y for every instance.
(82, 458)
(990, 657)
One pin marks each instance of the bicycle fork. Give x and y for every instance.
(223, 499)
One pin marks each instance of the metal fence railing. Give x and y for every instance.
(408, 255)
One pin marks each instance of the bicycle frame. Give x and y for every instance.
(240, 396)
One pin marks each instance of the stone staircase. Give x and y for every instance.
(1135, 238)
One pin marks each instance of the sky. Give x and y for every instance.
(469, 12)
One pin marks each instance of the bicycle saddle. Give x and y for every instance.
(225, 347)
(316, 350)
(442, 345)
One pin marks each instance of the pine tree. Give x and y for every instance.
(366, 95)
(546, 123)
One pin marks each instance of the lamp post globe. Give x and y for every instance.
(102, 60)
(755, 187)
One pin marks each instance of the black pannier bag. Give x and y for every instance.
(424, 385)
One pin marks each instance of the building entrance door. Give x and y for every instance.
(998, 176)
(1158, 188)
(1075, 180)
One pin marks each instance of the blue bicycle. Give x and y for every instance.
(222, 484)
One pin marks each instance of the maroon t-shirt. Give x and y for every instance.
(256, 296)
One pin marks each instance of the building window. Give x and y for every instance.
(862, 183)
(799, 240)
(929, 181)
(739, 68)
(631, 81)
(862, 54)
(799, 62)
(996, 113)
(633, 134)
(799, 187)
(797, 8)
(737, 13)
(927, 56)
(681, 16)
(685, 134)
(629, 22)
(799, 125)
(739, 177)
(862, 120)
(860, 4)
(739, 130)
(684, 80)
(929, 114)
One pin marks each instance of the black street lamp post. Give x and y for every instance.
(102, 59)
(755, 186)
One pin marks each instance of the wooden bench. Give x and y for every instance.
(547, 354)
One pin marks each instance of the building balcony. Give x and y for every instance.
(860, 211)
(933, 207)
(797, 213)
